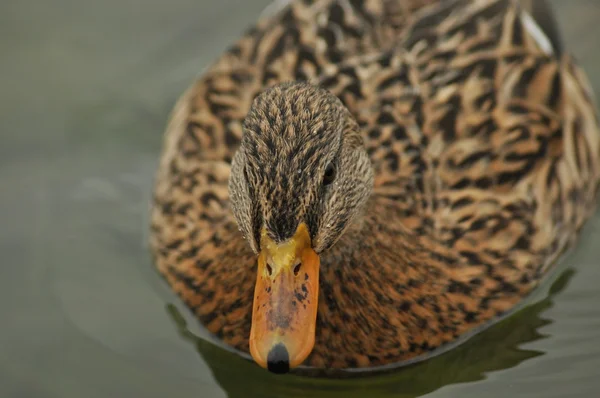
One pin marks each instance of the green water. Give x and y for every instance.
(85, 89)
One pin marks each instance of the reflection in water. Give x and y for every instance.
(496, 348)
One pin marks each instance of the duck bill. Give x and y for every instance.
(285, 303)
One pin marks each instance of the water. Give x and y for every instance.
(86, 87)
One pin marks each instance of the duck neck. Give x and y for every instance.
(380, 263)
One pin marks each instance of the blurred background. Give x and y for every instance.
(85, 90)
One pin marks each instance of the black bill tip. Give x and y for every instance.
(278, 360)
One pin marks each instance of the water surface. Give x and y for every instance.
(86, 87)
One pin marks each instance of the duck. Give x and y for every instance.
(360, 184)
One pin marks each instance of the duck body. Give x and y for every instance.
(484, 144)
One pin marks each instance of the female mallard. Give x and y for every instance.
(406, 171)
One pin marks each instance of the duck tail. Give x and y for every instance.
(544, 16)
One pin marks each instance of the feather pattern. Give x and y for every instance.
(484, 143)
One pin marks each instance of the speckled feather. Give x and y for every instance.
(485, 146)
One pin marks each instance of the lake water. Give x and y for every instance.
(86, 87)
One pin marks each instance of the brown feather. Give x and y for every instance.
(485, 151)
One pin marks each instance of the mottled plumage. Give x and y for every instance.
(484, 150)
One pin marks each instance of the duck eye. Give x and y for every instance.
(329, 175)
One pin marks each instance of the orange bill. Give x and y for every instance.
(285, 302)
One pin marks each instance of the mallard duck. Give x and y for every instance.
(359, 184)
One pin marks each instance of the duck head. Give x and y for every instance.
(299, 179)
